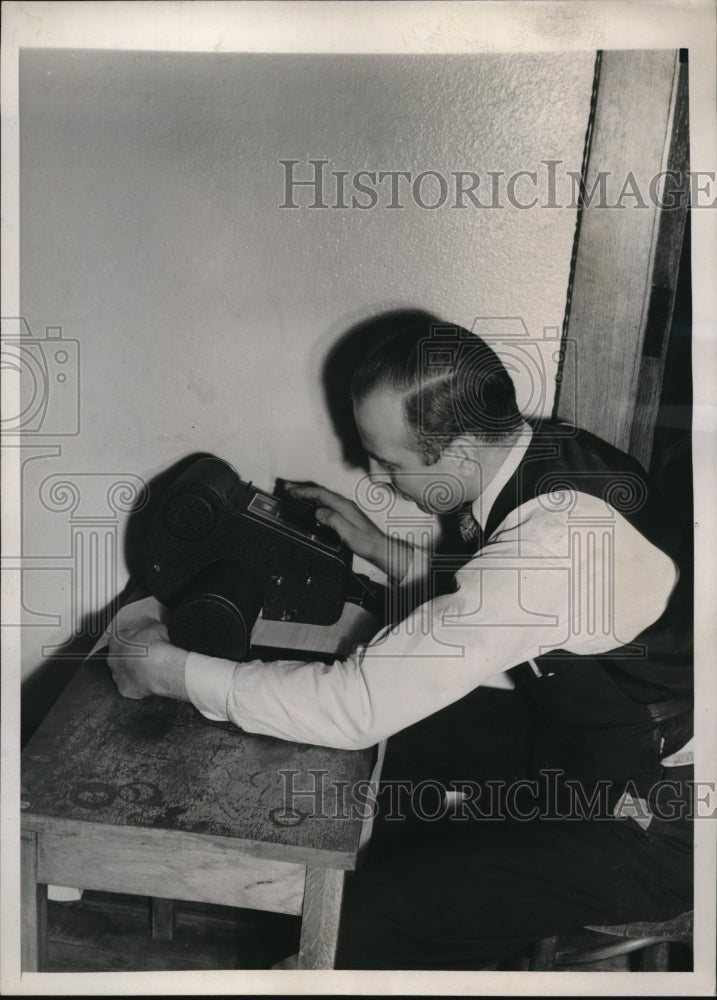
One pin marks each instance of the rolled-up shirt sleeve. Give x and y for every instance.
(515, 601)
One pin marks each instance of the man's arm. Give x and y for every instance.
(141, 658)
(515, 602)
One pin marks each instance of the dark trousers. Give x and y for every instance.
(465, 890)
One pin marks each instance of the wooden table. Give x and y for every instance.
(148, 797)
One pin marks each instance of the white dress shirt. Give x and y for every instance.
(560, 572)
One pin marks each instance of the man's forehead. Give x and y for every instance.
(381, 421)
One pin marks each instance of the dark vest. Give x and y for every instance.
(608, 717)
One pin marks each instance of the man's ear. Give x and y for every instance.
(463, 451)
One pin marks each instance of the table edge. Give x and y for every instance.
(290, 853)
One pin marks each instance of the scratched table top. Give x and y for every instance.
(159, 763)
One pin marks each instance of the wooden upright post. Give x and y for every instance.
(33, 906)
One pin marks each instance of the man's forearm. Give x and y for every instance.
(394, 557)
(166, 674)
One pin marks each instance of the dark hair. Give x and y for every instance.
(452, 382)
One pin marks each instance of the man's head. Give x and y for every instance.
(435, 408)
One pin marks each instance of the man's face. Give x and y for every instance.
(435, 488)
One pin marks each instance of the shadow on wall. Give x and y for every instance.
(46, 684)
(341, 363)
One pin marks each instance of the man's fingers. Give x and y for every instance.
(127, 689)
(332, 519)
(295, 484)
(310, 491)
(122, 683)
(349, 522)
(126, 669)
(325, 498)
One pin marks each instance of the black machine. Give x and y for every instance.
(246, 573)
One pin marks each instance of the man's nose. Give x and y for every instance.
(378, 475)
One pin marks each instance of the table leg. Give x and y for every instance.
(162, 919)
(323, 894)
(33, 904)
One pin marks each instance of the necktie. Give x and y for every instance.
(462, 537)
(469, 529)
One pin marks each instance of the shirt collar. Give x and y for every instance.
(482, 506)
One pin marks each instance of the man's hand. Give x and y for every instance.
(357, 530)
(143, 662)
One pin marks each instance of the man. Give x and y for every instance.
(578, 580)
